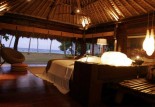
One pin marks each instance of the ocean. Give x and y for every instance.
(32, 50)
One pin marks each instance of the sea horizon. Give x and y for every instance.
(33, 50)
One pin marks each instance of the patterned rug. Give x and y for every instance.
(38, 71)
(58, 82)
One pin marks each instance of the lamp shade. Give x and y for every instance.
(115, 59)
(102, 41)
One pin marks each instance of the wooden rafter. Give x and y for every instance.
(136, 4)
(100, 11)
(116, 8)
(130, 7)
(103, 13)
(124, 8)
(95, 12)
(147, 4)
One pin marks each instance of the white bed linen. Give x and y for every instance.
(60, 73)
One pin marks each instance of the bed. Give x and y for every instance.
(59, 73)
(84, 78)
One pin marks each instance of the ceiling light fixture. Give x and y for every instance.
(78, 11)
(85, 21)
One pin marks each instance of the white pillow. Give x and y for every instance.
(92, 59)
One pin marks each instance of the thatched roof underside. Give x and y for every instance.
(61, 11)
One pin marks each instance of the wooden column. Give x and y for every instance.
(76, 45)
(83, 44)
(83, 47)
(16, 42)
(92, 45)
(121, 36)
(92, 48)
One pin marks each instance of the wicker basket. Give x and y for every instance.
(12, 56)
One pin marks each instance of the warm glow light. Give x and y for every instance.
(102, 41)
(115, 59)
(148, 44)
(146, 41)
(137, 57)
(77, 10)
(3, 7)
(85, 21)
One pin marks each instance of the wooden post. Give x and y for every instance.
(115, 39)
(83, 47)
(37, 45)
(0, 48)
(92, 45)
(76, 44)
(10, 41)
(16, 42)
(83, 44)
(64, 41)
(121, 36)
(51, 46)
(29, 46)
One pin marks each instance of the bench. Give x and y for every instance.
(140, 87)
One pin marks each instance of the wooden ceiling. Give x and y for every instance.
(62, 11)
(99, 11)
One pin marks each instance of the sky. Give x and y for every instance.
(24, 43)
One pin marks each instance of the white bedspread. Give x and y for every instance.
(60, 73)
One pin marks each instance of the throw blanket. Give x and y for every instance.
(59, 73)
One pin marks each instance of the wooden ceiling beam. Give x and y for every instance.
(101, 35)
(15, 27)
(50, 33)
(136, 31)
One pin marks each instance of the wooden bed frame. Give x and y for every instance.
(89, 79)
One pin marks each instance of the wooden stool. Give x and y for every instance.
(19, 67)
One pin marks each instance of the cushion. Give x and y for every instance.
(19, 67)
